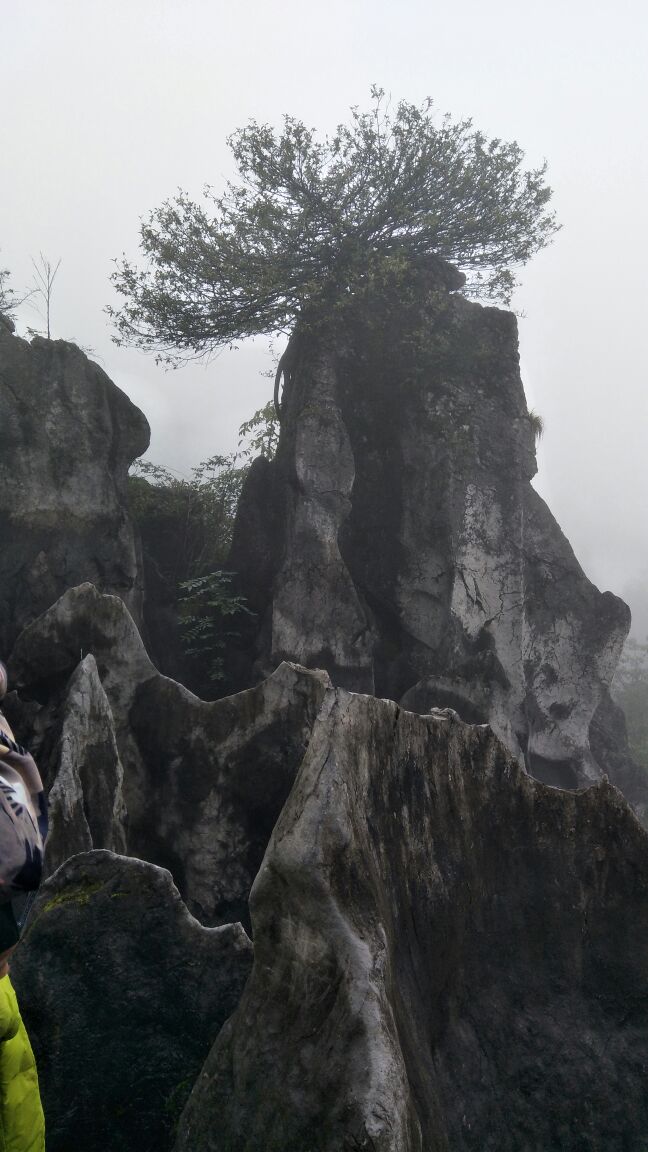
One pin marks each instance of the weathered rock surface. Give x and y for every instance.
(449, 956)
(122, 992)
(203, 782)
(86, 803)
(609, 743)
(404, 549)
(69, 436)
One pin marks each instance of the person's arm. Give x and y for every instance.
(15, 756)
(22, 762)
(25, 764)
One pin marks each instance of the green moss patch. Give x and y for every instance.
(76, 894)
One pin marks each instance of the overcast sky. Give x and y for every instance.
(108, 106)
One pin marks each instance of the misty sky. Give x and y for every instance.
(109, 106)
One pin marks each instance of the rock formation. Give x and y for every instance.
(449, 956)
(86, 803)
(203, 782)
(69, 437)
(397, 542)
(122, 992)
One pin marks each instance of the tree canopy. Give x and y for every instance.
(312, 220)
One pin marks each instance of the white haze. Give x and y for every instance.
(109, 106)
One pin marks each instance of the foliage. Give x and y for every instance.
(537, 424)
(198, 512)
(7, 295)
(630, 691)
(9, 298)
(261, 432)
(188, 523)
(207, 603)
(312, 221)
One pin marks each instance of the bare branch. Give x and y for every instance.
(44, 277)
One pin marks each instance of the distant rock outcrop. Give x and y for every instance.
(203, 782)
(122, 992)
(69, 436)
(449, 956)
(397, 542)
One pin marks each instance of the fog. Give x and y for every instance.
(109, 107)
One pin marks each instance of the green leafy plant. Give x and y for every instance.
(186, 525)
(206, 605)
(259, 436)
(311, 221)
(197, 512)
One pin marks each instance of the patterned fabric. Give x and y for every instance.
(23, 826)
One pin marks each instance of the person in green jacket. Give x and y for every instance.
(22, 1124)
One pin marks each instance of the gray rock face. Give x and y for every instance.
(609, 743)
(412, 557)
(69, 436)
(86, 804)
(316, 610)
(449, 956)
(122, 992)
(203, 782)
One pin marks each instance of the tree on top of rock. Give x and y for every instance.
(312, 221)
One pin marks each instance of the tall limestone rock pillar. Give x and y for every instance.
(402, 546)
(317, 614)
